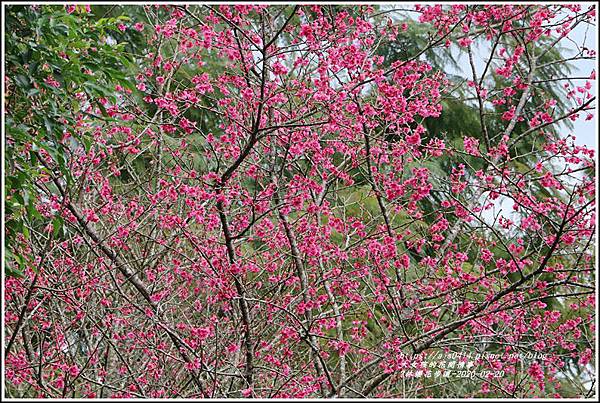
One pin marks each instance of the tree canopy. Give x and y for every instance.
(274, 201)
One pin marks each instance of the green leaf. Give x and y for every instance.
(48, 125)
(22, 81)
(57, 225)
(11, 271)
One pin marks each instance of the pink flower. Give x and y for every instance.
(471, 145)
(52, 82)
(414, 139)
(509, 114)
(279, 69)
(464, 42)
(465, 308)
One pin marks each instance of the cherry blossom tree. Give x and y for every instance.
(256, 206)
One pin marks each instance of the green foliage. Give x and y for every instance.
(57, 64)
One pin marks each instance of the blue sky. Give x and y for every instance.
(585, 131)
